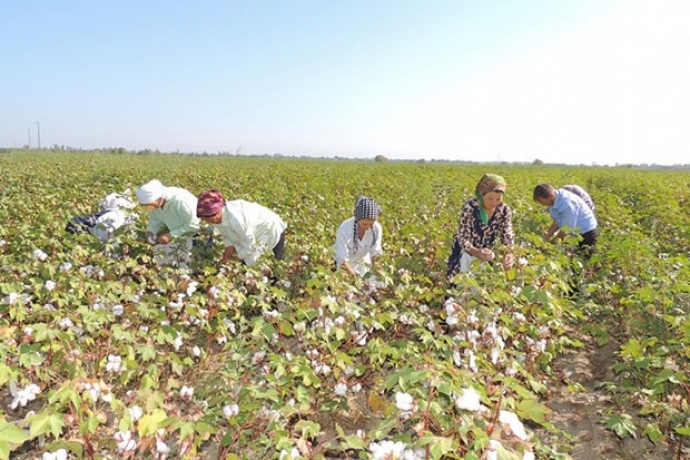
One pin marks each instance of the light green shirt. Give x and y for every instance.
(178, 214)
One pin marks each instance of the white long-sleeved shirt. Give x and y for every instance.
(178, 214)
(250, 228)
(368, 247)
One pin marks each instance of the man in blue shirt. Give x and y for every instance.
(569, 213)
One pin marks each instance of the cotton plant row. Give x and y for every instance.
(331, 315)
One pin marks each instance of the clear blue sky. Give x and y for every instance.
(573, 81)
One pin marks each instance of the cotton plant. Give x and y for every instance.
(96, 391)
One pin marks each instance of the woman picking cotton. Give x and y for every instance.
(248, 229)
(484, 222)
(358, 240)
(172, 220)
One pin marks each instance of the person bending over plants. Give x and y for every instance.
(248, 229)
(485, 221)
(358, 239)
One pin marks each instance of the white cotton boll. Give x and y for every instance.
(186, 392)
(492, 452)
(386, 450)
(340, 320)
(357, 387)
(471, 360)
(457, 358)
(191, 288)
(114, 364)
(452, 320)
(40, 255)
(65, 323)
(431, 326)
(291, 454)
(230, 325)
(162, 449)
(472, 318)
(468, 399)
(28, 330)
(522, 261)
(516, 427)
(221, 340)
(125, 443)
(49, 285)
(517, 316)
(65, 267)
(349, 370)
(196, 351)
(258, 357)
(11, 298)
(404, 402)
(60, 454)
(341, 389)
(135, 413)
(529, 455)
(231, 410)
(417, 454)
(3, 243)
(23, 396)
(450, 309)
(118, 310)
(271, 315)
(312, 353)
(540, 346)
(423, 308)
(178, 342)
(300, 327)
(495, 354)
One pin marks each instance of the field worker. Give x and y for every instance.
(485, 221)
(114, 212)
(569, 211)
(172, 220)
(248, 229)
(358, 240)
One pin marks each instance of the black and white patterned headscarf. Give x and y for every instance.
(365, 208)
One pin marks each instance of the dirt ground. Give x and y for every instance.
(579, 404)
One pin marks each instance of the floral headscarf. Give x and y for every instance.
(487, 184)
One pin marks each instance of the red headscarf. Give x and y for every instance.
(209, 203)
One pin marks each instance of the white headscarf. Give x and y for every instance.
(150, 192)
(117, 201)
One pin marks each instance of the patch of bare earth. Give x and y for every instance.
(580, 403)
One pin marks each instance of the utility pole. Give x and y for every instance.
(38, 126)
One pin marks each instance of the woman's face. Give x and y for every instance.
(212, 219)
(491, 200)
(365, 224)
(153, 205)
